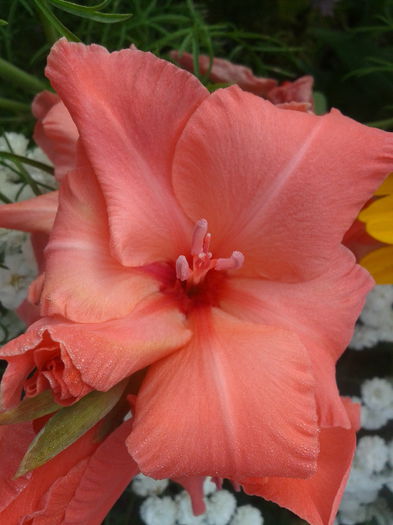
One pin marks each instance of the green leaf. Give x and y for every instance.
(320, 103)
(68, 425)
(77, 8)
(46, 12)
(90, 12)
(30, 408)
(3, 22)
(25, 160)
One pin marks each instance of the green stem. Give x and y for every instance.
(13, 105)
(382, 124)
(19, 77)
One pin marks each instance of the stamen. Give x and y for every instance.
(202, 259)
(234, 262)
(183, 271)
(198, 237)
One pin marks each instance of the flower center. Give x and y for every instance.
(202, 259)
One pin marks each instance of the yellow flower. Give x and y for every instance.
(378, 218)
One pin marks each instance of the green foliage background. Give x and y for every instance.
(349, 53)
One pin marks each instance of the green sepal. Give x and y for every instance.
(30, 408)
(320, 103)
(68, 425)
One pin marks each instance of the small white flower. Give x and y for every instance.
(184, 514)
(158, 511)
(371, 454)
(390, 454)
(373, 419)
(376, 319)
(220, 508)
(144, 486)
(352, 511)
(209, 486)
(247, 515)
(377, 393)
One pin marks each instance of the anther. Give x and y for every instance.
(183, 271)
(234, 262)
(199, 237)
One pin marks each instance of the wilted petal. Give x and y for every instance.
(238, 401)
(299, 90)
(322, 311)
(316, 499)
(224, 71)
(129, 138)
(282, 187)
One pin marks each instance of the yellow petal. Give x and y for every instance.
(380, 264)
(387, 186)
(379, 219)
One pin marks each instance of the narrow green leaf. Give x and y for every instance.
(3, 22)
(71, 7)
(25, 160)
(14, 105)
(68, 425)
(20, 78)
(43, 8)
(30, 408)
(91, 13)
(107, 18)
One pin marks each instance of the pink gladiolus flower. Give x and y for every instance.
(199, 237)
(297, 93)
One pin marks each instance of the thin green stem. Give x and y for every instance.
(21, 78)
(382, 124)
(13, 105)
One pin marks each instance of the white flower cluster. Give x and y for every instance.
(376, 319)
(377, 403)
(18, 263)
(18, 270)
(10, 183)
(221, 506)
(371, 470)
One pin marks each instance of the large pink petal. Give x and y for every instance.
(239, 399)
(130, 107)
(322, 311)
(55, 132)
(104, 353)
(83, 282)
(33, 215)
(316, 499)
(280, 186)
